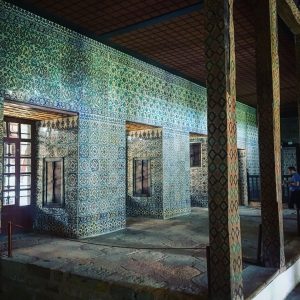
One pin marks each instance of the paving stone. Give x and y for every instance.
(77, 268)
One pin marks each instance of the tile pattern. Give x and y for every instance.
(247, 135)
(288, 158)
(186, 31)
(1, 152)
(176, 173)
(268, 94)
(198, 176)
(58, 138)
(243, 184)
(180, 41)
(48, 65)
(145, 144)
(102, 176)
(289, 130)
(224, 225)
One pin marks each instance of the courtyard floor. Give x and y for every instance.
(164, 254)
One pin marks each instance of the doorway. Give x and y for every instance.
(18, 173)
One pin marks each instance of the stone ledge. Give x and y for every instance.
(29, 281)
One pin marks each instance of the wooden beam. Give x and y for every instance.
(290, 14)
(154, 21)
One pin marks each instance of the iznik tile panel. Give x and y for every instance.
(176, 173)
(288, 159)
(199, 175)
(243, 182)
(58, 139)
(289, 130)
(102, 177)
(45, 64)
(145, 144)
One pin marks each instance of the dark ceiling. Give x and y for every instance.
(170, 34)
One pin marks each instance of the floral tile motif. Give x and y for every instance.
(48, 65)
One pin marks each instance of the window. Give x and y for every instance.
(195, 155)
(141, 175)
(17, 170)
(54, 182)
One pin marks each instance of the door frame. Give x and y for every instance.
(30, 208)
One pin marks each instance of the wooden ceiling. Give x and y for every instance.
(170, 34)
(30, 112)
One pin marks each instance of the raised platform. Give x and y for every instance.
(151, 259)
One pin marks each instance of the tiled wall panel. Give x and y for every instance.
(176, 173)
(145, 144)
(199, 175)
(101, 178)
(288, 159)
(289, 130)
(45, 64)
(58, 139)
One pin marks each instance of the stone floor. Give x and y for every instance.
(168, 254)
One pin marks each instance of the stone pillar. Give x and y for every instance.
(224, 220)
(243, 184)
(297, 50)
(268, 104)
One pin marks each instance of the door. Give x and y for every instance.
(18, 173)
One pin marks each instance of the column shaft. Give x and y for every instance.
(224, 221)
(268, 103)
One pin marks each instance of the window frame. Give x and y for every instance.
(18, 172)
(135, 193)
(61, 204)
(200, 155)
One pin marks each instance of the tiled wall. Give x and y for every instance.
(58, 138)
(176, 173)
(145, 144)
(288, 159)
(247, 136)
(45, 64)
(198, 175)
(1, 153)
(243, 182)
(102, 176)
(289, 130)
(289, 134)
